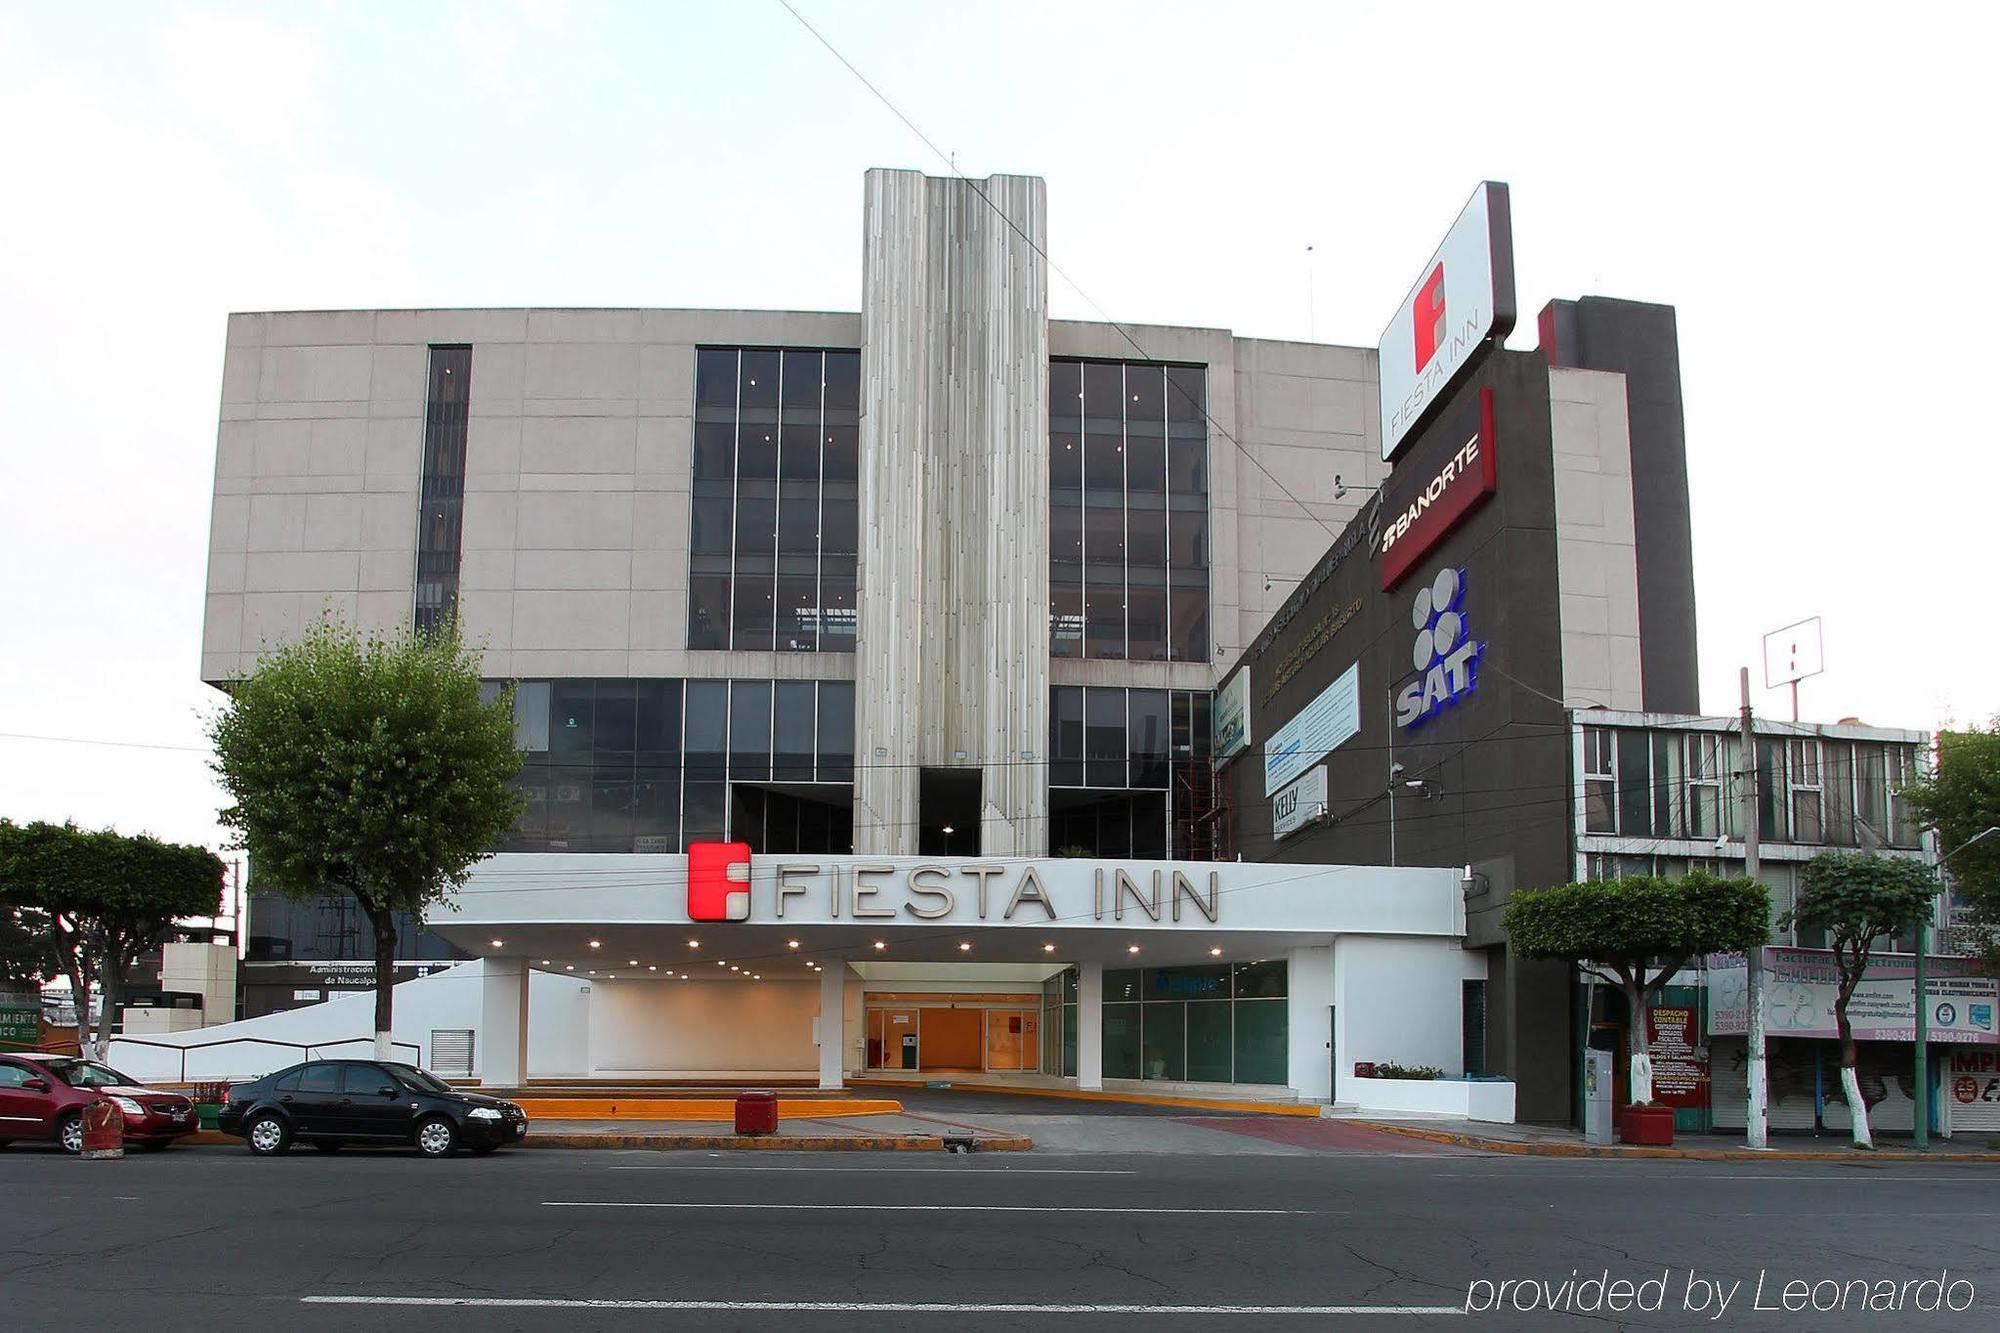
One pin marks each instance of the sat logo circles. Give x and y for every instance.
(1444, 654)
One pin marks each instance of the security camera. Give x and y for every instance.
(1339, 487)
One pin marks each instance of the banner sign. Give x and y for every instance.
(1232, 715)
(1462, 303)
(20, 1020)
(1800, 986)
(1299, 804)
(1329, 721)
(1680, 1061)
(1420, 509)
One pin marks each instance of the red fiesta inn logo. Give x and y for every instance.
(718, 881)
(1427, 317)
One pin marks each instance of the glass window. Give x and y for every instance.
(836, 731)
(792, 731)
(1149, 734)
(1165, 1040)
(1066, 736)
(441, 501)
(1065, 613)
(1121, 1054)
(1104, 737)
(288, 1081)
(1210, 1043)
(774, 528)
(365, 1080)
(1635, 803)
(750, 729)
(1262, 1036)
(707, 729)
(1265, 980)
(531, 716)
(319, 1078)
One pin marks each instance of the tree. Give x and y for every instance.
(1858, 898)
(1961, 800)
(370, 765)
(1635, 933)
(93, 902)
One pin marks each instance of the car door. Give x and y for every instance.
(367, 1112)
(315, 1107)
(24, 1111)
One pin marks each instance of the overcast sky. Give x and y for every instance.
(1815, 196)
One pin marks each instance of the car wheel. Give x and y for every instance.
(437, 1138)
(70, 1133)
(267, 1136)
(327, 1145)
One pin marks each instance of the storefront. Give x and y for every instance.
(1088, 973)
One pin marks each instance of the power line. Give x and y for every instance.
(1057, 269)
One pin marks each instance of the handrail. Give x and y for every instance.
(306, 1046)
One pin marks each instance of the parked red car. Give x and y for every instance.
(43, 1096)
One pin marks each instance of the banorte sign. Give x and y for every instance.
(1420, 509)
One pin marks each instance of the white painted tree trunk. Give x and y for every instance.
(1635, 1046)
(1857, 1106)
(384, 1048)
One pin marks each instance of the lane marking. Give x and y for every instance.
(881, 1170)
(941, 1208)
(1857, 1176)
(875, 1307)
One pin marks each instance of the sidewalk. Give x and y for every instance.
(1551, 1141)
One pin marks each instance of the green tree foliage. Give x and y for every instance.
(370, 765)
(1858, 898)
(1961, 800)
(1636, 932)
(90, 903)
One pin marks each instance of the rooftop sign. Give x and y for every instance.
(1463, 300)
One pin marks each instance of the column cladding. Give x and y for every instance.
(953, 601)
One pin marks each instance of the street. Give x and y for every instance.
(1273, 1236)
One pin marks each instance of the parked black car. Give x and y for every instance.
(331, 1103)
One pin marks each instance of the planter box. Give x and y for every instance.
(1650, 1125)
(1488, 1099)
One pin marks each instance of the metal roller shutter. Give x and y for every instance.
(451, 1052)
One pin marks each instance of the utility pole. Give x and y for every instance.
(1757, 1120)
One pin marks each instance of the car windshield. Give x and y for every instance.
(88, 1074)
(412, 1077)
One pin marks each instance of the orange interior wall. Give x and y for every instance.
(951, 1039)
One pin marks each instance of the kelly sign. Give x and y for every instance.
(1297, 805)
(1463, 301)
(1420, 508)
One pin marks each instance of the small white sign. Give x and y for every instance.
(1327, 722)
(1299, 804)
(1463, 297)
(1232, 715)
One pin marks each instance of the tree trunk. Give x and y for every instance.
(384, 922)
(69, 943)
(1850, 1077)
(114, 986)
(1635, 1044)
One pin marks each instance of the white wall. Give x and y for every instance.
(558, 1026)
(1596, 552)
(1309, 989)
(1400, 999)
(703, 1027)
(343, 1027)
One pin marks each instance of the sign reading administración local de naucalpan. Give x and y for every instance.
(1328, 721)
(1464, 297)
(1232, 715)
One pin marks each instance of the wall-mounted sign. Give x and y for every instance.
(1444, 654)
(1463, 302)
(1232, 714)
(1299, 804)
(1801, 985)
(1420, 509)
(1328, 721)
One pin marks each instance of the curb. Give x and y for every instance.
(1517, 1148)
(641, 1107)
(1306, 1110)
(765, 1143)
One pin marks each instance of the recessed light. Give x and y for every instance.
(721, 963)
(498, 944)
(694, 944)
(881, 944)
(569, 967)
(1131, 948)
(965, 946)
(735, 969)
(1048, 948)
(756, 976)
(1215, 953)
(597, 944)
(633, 961)
(791, 944)
(651, 968)
(545, 962)
(593, 971)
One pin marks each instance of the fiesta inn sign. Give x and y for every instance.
(720, 888)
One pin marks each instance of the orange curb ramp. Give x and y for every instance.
(1306, 1109)
(1518, 1148)
(641, 1107)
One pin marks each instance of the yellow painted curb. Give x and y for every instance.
(768, 1143)
(1516, 1148)
(1134, 1098)
(692, 1108)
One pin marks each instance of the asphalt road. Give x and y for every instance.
(213, 1238)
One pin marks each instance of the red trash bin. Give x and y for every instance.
(103, 1130)
(756, 1113)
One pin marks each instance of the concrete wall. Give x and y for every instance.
(699, 1027)
(1597, 566)
(1401, 1000)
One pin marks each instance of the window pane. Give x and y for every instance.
(1210, 1043)
(1149, 736)
(798, 453)
(715, 382)
(1065, 616)
(750, 730)
(1104, 620)
(708, 611)
(1066, 736)
(843, 452)
(715, 450)
(755, 615)
(1104, 737)
(713, 516)
(707, 729)
(1635, 803)
(840, 532)
(1262, 1035)
(836, 599)
(1145, 430)
(1259, 981)
(656, 825)
(759, 383)
(798, 613)
(836, 731)
(1146, 614)
(1187, 546)
(570, 717)
(1121, 1041)
(793, 731)
(703, 812)
(843, 386)
(1066, 533)
(1187, 395)
(1189, 627)
(798, 524)
(615, 728)
(1165, 1040)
